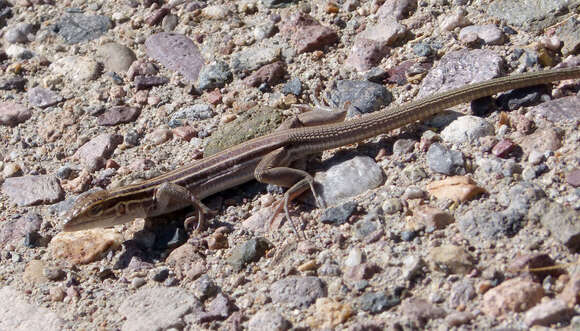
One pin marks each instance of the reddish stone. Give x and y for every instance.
(270, 74)
(573, 177)
(503, 148)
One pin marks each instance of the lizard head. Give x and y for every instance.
(97, 209)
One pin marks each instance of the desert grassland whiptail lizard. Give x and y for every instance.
(269, 158)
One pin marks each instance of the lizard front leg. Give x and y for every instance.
(170, 196)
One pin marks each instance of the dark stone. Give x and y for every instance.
(76, 28)
(338, 215)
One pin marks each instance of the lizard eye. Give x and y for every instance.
(96, 211)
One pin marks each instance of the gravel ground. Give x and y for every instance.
(469, 220)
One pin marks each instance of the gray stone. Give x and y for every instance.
(480, 223)
(158, 308)
(461, 293)
(250, 59)
(293, 86)
(446, 161)
(348, 179)
(495, 165)
(268, 320)
(338, 215)
(563, 224)
(177, 52)
(197, 112)
(17, 314)
(11, 113)
(33, 190)
(418, 311)
(376, 302)
(76, 28)
(403, 146)
(297, 291)
(214, 75)
(548, 313)
(489, 33)
(364, 97)
(41, 97)
(531, 15)
(18, 33)
(459, 68)
(467, 129)
(558, 110)
(250, 251)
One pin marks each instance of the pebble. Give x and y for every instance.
(450, 259)
(177, 52)
(459, 68)
(41, 97)
(529, 18)
(18, 52)
(268, 320)
(252, 58)
(76, 68)
(377, 302)
(214, 75)
(573, 177)
(306, 33)
(14, 83)
(541, 141)
(12, 114)
(458, 188)
(446, 161)
(19, 33)
(293, 86)
(159, 136)
(548, 313)
(83, 247)
(116, 57)
(457, 19)
(455, 319)
(78, 28)
(269, 74)
(467, 129)
(192, 113)
(329, 314)
(118, 115)
(431, 218)
(420, 311)
(33, 190)
(392, 206)
(515, 295)
(20, 314)
(503, 148)
(563, 223)
(338, 215)
(489, 34)
(99, 148)
(250, 251)
(297, 291)
(364, 97)
(348, 179)
(372, 45)
(158, 308)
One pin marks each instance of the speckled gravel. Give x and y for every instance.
(470, 220)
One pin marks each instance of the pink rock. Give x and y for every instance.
(514, 295)
(12, 113)
(307, 34)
